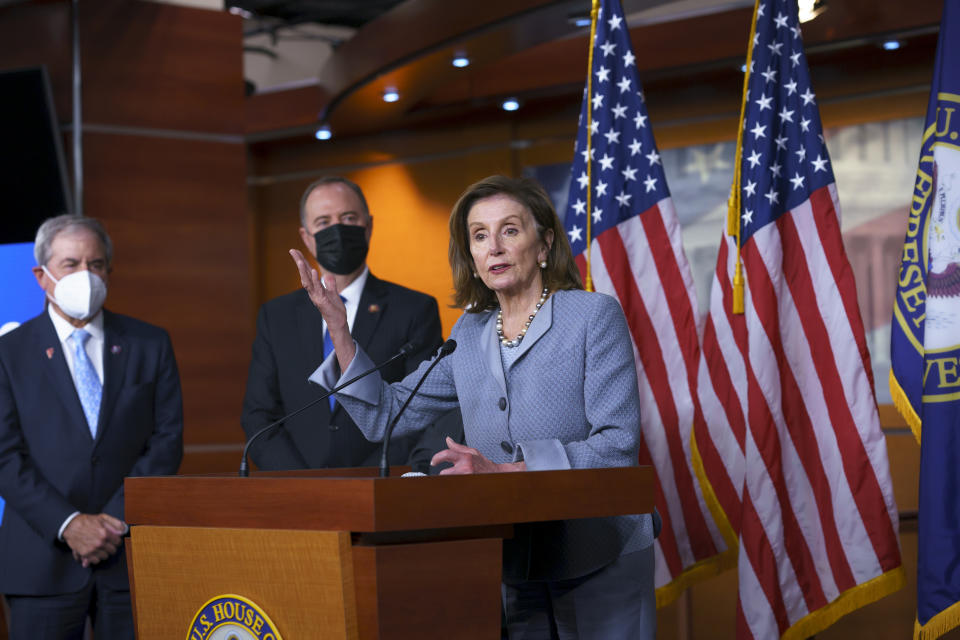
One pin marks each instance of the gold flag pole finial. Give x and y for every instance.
(594, 10)
(733, 203)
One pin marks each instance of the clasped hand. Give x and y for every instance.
(468, 460)
(94, 537)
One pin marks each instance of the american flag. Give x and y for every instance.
(636, 256)
(792, 444)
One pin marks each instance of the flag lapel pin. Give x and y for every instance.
(50, 352)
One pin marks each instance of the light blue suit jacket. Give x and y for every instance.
(568, 400)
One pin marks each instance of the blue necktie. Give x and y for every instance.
(86, 380)
(327, 350)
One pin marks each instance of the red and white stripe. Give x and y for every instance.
(641, 263)
(791, 441)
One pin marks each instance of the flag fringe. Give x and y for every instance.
(714, 565)
(904, 408)
(847, 602)
(945, 621)
(719, 515)
(733, 202)
(706, 568)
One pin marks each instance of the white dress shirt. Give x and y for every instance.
(94, 349)
(351, 294)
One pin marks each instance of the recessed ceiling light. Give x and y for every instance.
(510, 104)
(391, 95)
(807, 10)
(239, 11)
(323, 133)
(891, 45)
(461, 62)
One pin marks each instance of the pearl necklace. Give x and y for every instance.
(516, 341)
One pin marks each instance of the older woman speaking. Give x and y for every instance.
(545, 378)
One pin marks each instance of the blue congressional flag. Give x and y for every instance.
(925, 338)
(620, 207)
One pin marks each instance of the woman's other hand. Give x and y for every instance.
(468, 460)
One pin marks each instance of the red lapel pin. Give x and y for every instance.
(115, 349)
(50, 353)
(374, 308)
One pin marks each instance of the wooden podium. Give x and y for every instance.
(343, 554)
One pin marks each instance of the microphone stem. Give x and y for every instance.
(384, 464)
(245, 465)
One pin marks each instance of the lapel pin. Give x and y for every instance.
(115, 349)
(374, 308)
(50, 353)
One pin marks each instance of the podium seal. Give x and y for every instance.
(232, 617)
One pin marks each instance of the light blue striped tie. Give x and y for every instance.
(87, 381)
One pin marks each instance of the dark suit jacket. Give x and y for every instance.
(50, 466)
(287, 348)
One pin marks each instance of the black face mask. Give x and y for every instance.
(341, 248)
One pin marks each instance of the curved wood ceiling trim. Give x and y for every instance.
(398, 50)
(530, 49)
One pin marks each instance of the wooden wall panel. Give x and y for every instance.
(38, 33)
(271, 111)
(154, 65)
(177, 212)
(165, 170)
(144, 63)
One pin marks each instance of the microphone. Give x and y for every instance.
(405, 350)
(445, 350)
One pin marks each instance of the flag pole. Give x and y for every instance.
(594, 10)
(733, 203)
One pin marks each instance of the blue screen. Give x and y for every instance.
(20, 296)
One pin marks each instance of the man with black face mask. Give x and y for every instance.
(335, 227)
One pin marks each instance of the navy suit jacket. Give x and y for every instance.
(287, 347)
(50, 465)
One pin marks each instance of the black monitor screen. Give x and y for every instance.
(33, 183)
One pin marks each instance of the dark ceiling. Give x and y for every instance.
(341, 13)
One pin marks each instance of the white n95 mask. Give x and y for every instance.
(79, 294)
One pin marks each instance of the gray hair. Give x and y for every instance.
(322, 182)
(52, 227)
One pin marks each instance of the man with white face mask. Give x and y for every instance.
(87, 398)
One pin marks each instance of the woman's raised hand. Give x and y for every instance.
(324, 295)
(327, 300)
